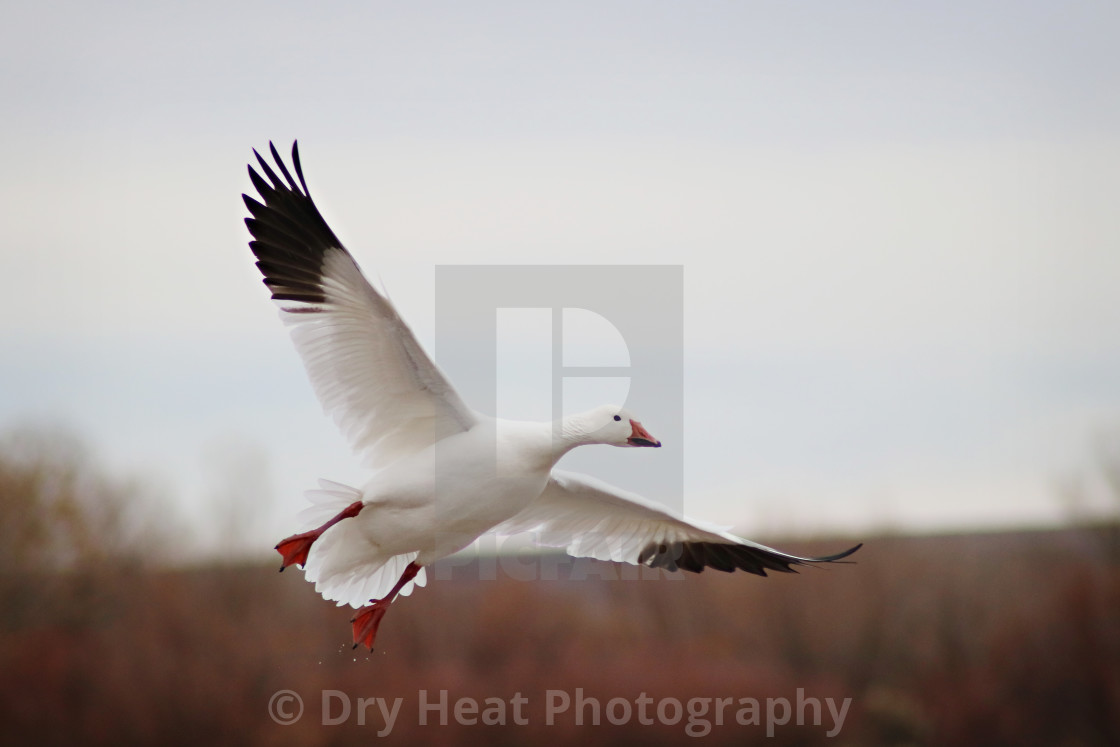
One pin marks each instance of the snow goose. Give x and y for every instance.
(400, 413)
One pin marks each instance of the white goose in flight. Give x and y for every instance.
(404, 418)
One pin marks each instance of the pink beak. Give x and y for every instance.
(640, 436)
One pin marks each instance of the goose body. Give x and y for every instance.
(444, 474)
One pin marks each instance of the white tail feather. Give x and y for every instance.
(345, 566)
(326, 503)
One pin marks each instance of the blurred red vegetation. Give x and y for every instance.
(1009, 638)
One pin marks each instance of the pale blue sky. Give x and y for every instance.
(897, 225)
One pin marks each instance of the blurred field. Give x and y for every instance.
(985, 639)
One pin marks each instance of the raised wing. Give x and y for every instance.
(592, 519)
(370, 374)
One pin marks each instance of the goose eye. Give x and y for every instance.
(617, 418)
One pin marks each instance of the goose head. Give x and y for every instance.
(609, 424)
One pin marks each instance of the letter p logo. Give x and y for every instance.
(515, 340)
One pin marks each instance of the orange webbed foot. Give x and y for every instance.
(294, 549)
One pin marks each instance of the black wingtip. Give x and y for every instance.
(298, 167)
(290, 236)
(837, 556)
(696, 556)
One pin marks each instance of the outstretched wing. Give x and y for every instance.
(370, 374)
(592, 519)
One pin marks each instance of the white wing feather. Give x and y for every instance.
(367, 369)
(591, 518)
(369, 372)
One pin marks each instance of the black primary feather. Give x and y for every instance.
(696, 556)
(290, 237)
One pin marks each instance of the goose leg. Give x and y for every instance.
(294, 549)
(366, 622)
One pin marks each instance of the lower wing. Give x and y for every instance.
(592, 519)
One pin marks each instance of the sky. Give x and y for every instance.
(896, 224)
